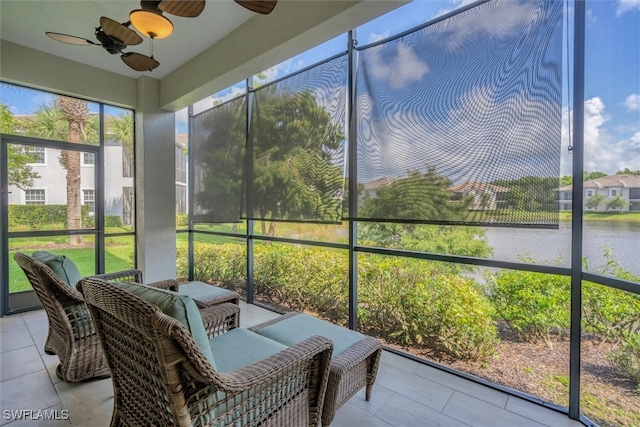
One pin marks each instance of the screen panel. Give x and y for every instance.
(460, 122)
(298, 141)
(219, 147)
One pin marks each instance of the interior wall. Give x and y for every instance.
(155, 184)
(29, 67)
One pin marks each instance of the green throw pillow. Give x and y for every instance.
(180, 307)
(62, 266)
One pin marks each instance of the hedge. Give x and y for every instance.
(40, 217)
(400, 300)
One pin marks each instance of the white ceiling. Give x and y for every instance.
(24, 22)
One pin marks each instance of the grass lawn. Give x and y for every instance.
(604, 216)
(118, 256)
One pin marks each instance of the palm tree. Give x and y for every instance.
(20, 172)
(68, 119)
(120, 129)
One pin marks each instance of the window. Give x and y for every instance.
(613, 193)
(589, 193)
(89, 199)
(127, 211)
(181, 199)
(127, 163)
(568, 195)
(181, 164)
(37, 153)
(88, 159)
(34, 197)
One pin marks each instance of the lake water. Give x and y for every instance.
(549, 246)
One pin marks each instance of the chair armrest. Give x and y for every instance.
(168, 284)
(221, 318)
(261, 386)
(132, 275)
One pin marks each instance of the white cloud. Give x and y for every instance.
(373, 37)
(602, 152)
(476, 141)
(627, 6)
(282, 69)
(398, 68)
(633, 102)
(506, 20)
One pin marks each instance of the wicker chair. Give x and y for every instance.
(161, 377)
(71, 335)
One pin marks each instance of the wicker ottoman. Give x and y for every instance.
(354, 362)
(206, 295)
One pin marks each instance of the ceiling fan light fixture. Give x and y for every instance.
(151, 24)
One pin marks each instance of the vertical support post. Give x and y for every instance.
(99, 202)
(155, 188)
(352, 176)
(4, 228)
(249, 189)
(190, 191)
(577, 208)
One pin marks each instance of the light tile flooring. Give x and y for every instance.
(406, 392)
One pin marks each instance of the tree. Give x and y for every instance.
(595, 201)
(593, 175)
(421, 195)
(67, 119)
(294, 143)
(628, 171)
(20, 172)
(120, 129)
(531, 193)
(219, 149)
(616, 203)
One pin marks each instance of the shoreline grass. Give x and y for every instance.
(631, 217)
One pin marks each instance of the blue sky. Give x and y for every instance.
(612, 92)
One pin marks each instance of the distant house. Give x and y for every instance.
(182, 142)
(624, 186)
(371, 187)
(119, 191)
(485, 196)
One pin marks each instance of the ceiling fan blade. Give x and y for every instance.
(264, 7)
(123, 33)
(184, 8)
(66, 38)
(139, 62)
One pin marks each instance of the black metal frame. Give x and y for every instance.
(574, 271)
(27, 300)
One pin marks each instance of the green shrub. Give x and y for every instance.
(113, 221)
(41, 217)
(447, 314)
(401, 300)
(534, 305)
(182, 220)
(611, 313)
(306, 279)
(627, 356)
(224, 263)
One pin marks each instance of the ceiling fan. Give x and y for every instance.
(114, 37)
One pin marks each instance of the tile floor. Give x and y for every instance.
(406, 392)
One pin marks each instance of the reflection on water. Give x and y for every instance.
(554, 246)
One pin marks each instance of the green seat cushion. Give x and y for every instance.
(298, 328)
(239, 348)
(180, 307)
(202, 291)
(62, 266)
